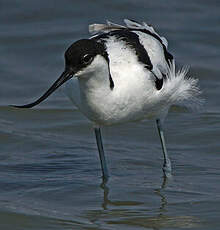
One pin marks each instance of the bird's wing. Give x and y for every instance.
(144, 26)
(129, 24)
(97, 29)
(149, 46)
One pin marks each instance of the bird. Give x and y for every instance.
(124, 73)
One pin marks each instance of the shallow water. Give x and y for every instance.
(49, 166)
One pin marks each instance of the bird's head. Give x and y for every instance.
(85, 56)
(82, 59)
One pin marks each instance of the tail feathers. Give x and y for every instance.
(179, 89)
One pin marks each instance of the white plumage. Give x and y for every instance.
(123, 74)
(134, 96)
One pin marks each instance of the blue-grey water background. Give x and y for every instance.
(49, 166)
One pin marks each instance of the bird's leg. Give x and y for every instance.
(101, 153)
(167, 163)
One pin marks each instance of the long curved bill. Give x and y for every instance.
(65, 76)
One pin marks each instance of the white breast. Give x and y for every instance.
(132, 97)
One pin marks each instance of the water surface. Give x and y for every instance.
(49, 166)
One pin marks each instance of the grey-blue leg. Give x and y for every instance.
(167, 164)
(101, 153)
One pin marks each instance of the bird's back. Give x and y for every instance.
(143, 74)
(141, 43)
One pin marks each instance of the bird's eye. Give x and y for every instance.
(87, 58)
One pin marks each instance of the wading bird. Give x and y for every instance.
(123, 74)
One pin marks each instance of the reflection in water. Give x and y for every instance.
(105, 195)
(165, 183)
(106, 201)
(142, 216)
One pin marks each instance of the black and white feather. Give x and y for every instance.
(151, 51)
(147, 44)
(124, 73)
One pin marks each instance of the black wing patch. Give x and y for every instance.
(168, 56)
(131, 40)
(158, 83)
